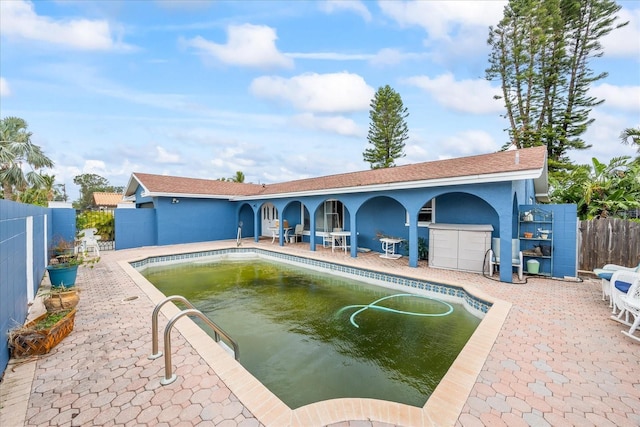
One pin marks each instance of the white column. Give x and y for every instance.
(29, 258)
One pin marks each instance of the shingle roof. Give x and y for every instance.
(107, 199)
(486, 164)
(503, 162)
(178, 185)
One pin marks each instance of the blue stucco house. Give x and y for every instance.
(485, 193)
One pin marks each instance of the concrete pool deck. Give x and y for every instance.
(547, 355)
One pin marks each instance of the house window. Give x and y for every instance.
(426, 216)
(330, 216)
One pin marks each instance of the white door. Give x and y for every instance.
(269, 215)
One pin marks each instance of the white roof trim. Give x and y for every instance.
(186, 195)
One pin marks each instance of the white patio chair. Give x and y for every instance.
(516, 256)
(629, 303)
(605, 273)
(621, 282)
(88, 241)
(297, 232)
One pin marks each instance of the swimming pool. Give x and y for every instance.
(364, 359)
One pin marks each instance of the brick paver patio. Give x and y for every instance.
(557, 361)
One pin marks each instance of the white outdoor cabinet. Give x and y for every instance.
(459, 246)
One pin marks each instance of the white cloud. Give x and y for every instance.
(163, 156)
(394, 56)
(439, 18)
(333, 124)
(247, 45)
(468, 143)
(5, 90)
(97, 167)
(467, 96)
(19, 19)
(330, 56)
(625, 41)
(625, 98)
(323, 93)
(604, 137)
(455, 29)
(358, 7)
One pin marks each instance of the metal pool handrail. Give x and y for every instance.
(169, 377)
(154, 323)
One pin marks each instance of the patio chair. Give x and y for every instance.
(605, 274)
(621, 282)
(516, 256)
(629, 303)
(88, 241)
(297, 232)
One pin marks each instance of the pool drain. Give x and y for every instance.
(393, 310)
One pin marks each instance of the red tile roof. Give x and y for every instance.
(509, 162)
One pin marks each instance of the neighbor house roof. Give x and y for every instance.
(528, 163)
(107, 199)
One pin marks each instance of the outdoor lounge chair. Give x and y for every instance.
(629, 302)
(516, 255)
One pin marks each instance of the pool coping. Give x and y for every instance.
(442, 408)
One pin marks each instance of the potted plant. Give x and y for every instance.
(41, 334)
(63, 268)
(60, 299)
(61, 247)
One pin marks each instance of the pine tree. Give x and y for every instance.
(387, 130)
(540, 52)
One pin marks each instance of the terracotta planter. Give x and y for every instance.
(64, 300)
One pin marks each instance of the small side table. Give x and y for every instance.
(389, 248)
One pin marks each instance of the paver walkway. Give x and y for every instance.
(559, 360)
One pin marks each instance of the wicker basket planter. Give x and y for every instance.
(30, 341)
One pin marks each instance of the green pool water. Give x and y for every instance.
(295, 339)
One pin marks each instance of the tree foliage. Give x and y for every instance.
(17, 151)
(91, 183)
(600, 190)
(540, 52)
(631, 136)
(238, 177)
(387, 130)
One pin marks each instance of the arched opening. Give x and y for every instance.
(378, 217)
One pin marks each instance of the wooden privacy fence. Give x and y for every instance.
(608, 241)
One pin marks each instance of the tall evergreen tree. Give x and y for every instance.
(387, 130)
(540, 52)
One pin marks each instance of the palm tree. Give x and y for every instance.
(16, 150)
(238, 177)
(631, 136)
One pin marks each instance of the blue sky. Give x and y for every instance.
(277, 90)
